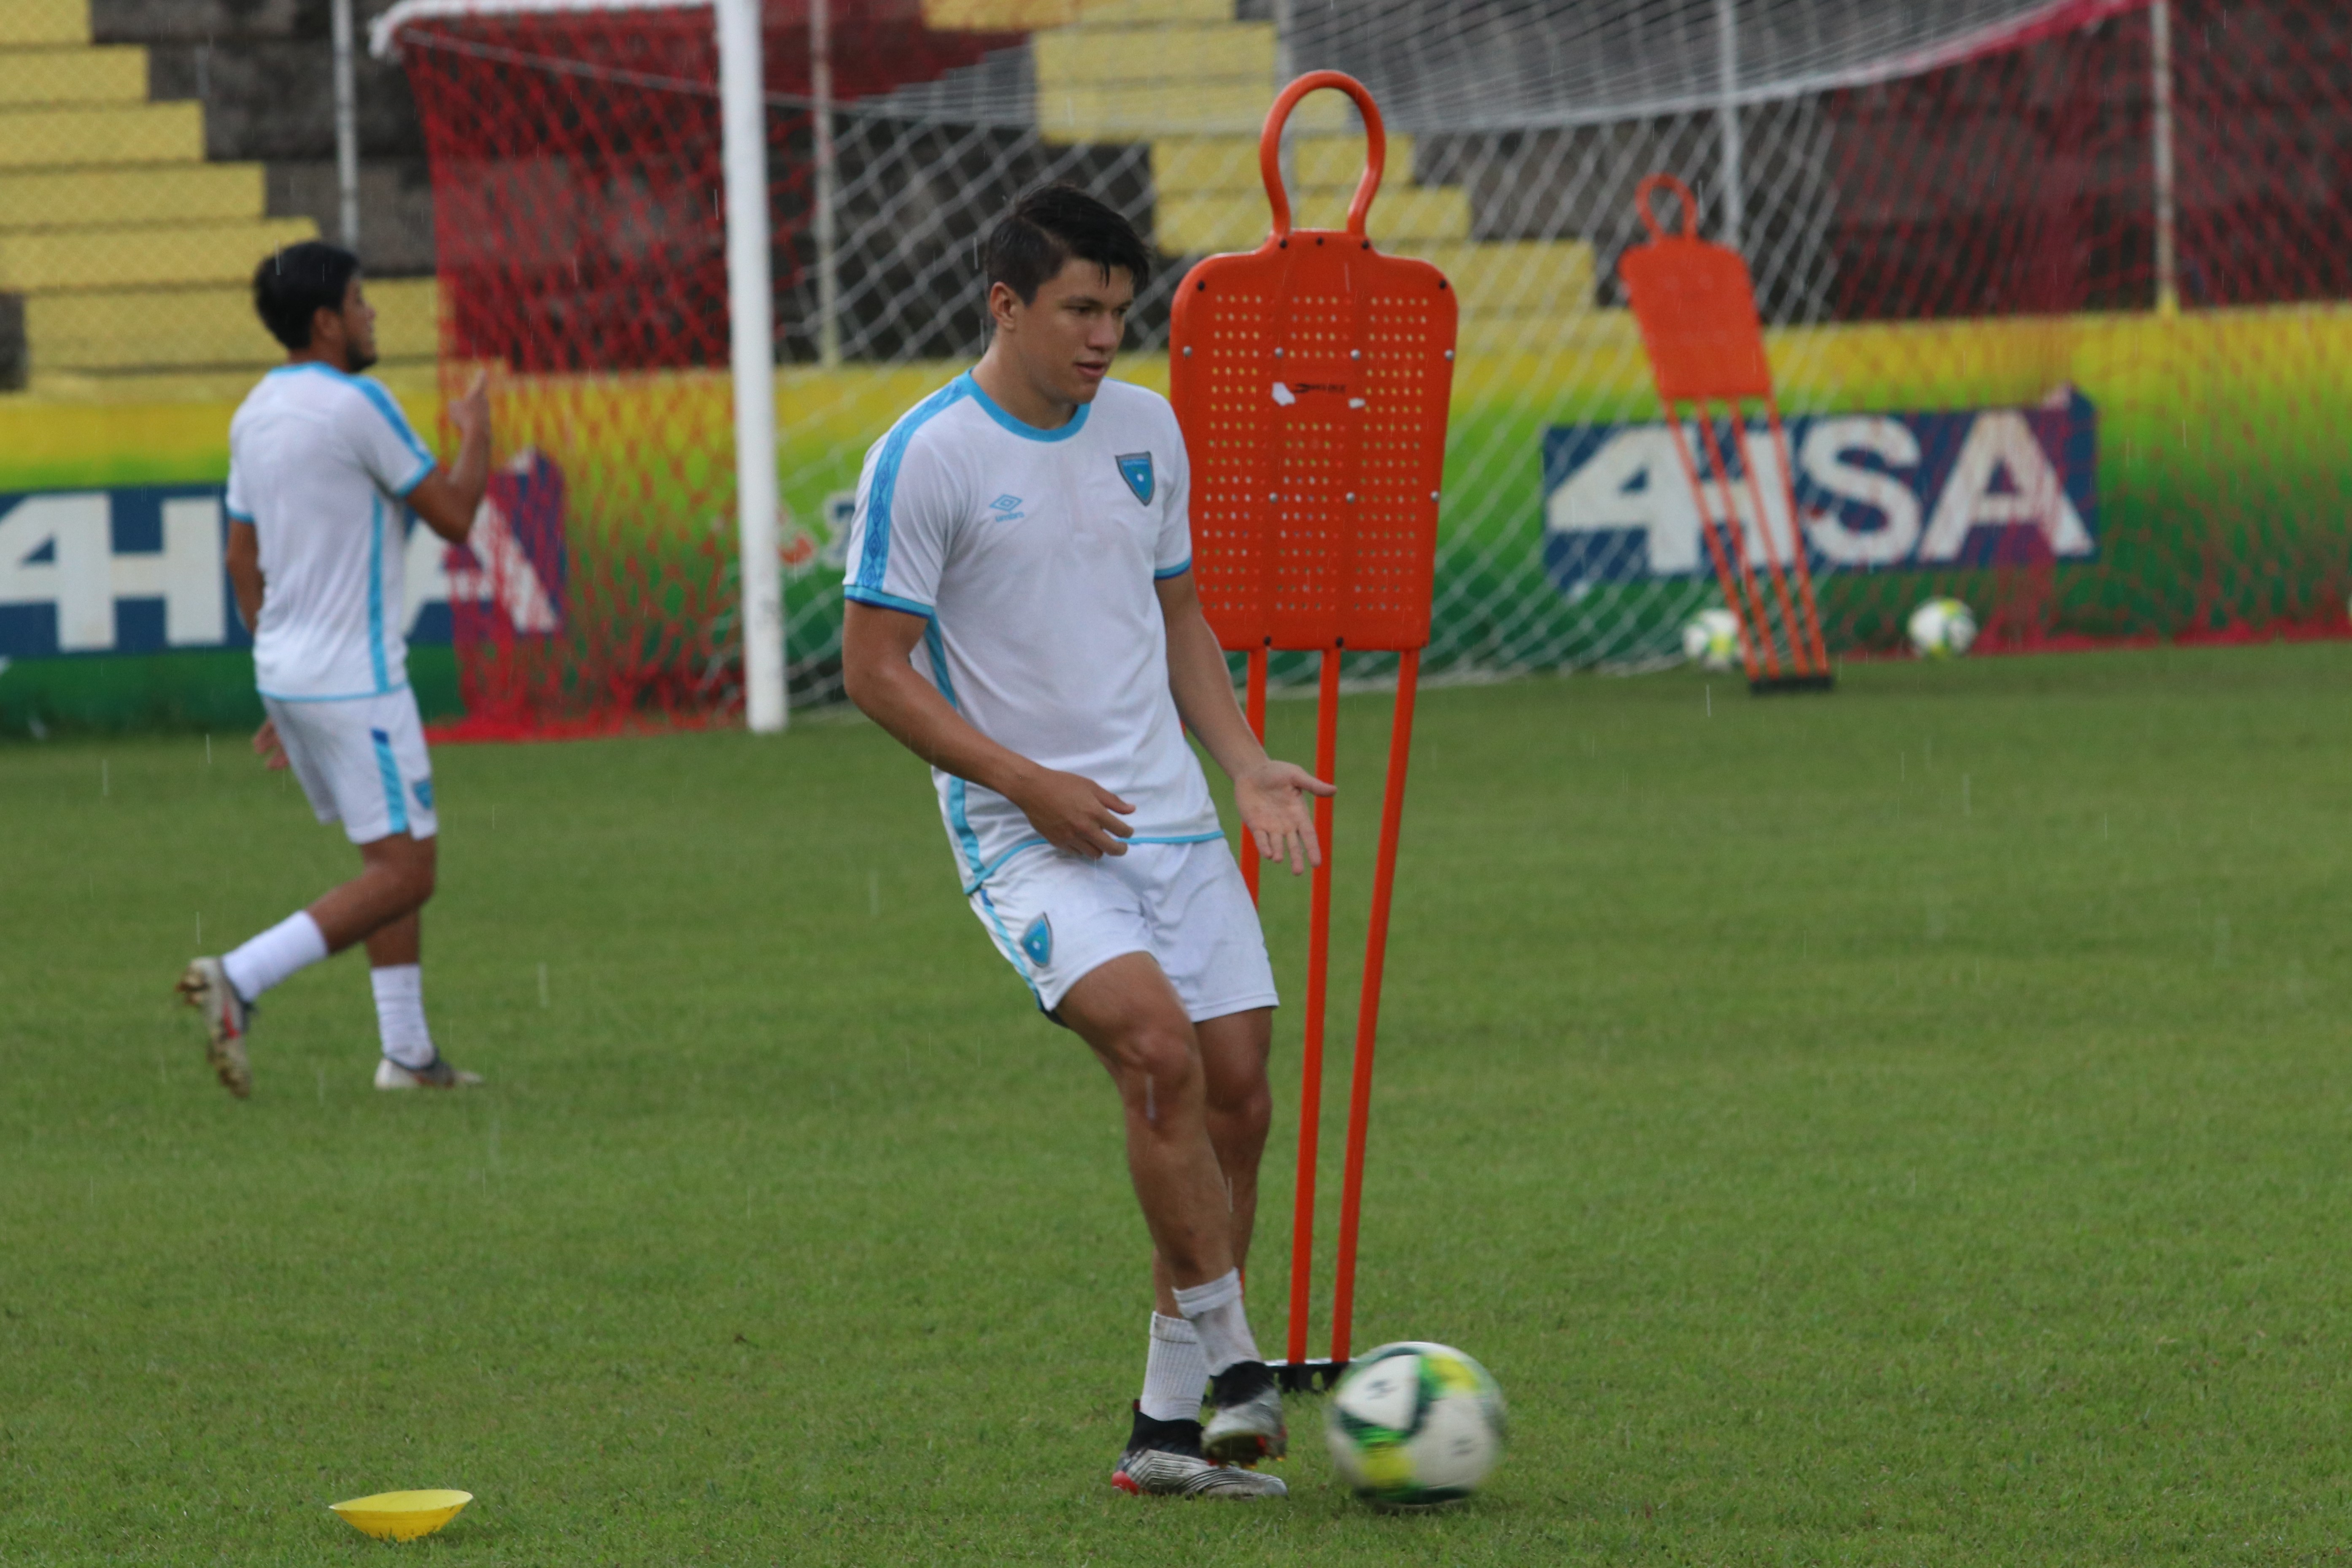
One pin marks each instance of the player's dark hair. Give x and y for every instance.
(1051, 224)
(293, 284)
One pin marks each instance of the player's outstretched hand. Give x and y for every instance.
(268, 747)
(1274, 811)
(1074, 813)
(471, 413)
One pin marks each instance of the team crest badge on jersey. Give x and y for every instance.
(1135, 468)
(1037, 941)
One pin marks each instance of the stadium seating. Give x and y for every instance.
(125, 254)
(1099, 64)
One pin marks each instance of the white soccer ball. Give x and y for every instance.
(1942, 628)
(1711, 640)
(1415, 1423)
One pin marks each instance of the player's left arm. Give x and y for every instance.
(446, 500)
(1270, 795)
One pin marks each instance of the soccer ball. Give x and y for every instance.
(1415, 1423)
(1711, 640)
(1942, 628)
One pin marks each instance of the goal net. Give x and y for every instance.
(2057, 294)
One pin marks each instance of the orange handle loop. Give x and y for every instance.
(1269, 147)
(1650, 186)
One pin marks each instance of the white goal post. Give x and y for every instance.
(751, 307)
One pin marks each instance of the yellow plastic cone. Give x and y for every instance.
(401, 1516)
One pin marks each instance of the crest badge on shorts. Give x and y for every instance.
(1135, 468)
(1037, 941)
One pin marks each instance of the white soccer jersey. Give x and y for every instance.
(319, 462)
(1032, 554)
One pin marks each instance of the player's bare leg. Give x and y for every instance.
(396, 879)
(1240, 1108)
(1129, 1013)
(383, 907)
(378, 906)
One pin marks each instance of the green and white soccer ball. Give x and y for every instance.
(1711, 640)
(1942, 628)
(1415, 1423)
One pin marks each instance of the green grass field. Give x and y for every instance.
(1907, 1126)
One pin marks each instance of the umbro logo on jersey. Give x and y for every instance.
(1004, 503)
(1135, 468)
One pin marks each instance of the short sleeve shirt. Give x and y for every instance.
(321, 464)
(1031, 555)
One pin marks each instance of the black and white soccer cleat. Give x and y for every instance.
(1164, 1458)
(1245, 1418)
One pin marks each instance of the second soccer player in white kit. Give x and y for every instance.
(321, 463)
(1022, 615)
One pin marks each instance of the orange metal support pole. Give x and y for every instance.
(1256, 709)
(1318, 965)
(1717, 544)
(1736, 536)
(1367, 1011)
(1797, 527)
(1800, 648)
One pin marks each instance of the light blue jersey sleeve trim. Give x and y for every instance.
(874, 561)
(425, 467)
(235, 515)
(876, 596)
(1164, 572)
(385, 405)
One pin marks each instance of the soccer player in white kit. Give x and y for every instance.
(322, 462)
(1022, 615)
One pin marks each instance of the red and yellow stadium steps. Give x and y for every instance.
(131, 255)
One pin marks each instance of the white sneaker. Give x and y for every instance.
(434, 1074)
(204, 986)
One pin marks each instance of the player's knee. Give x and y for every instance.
(1241, 1102)
(1162, 1057)
(411, 873)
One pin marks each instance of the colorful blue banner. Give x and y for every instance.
(138, 569)
(1874, 491)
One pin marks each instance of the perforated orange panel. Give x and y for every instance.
(1696, 306)
(1311, 377)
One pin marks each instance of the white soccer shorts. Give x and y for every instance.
(362, 762)
(1056, 917)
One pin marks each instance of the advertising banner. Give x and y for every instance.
(1875, 492)
(138, 569)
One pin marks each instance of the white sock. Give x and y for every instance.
(1215, 1312)
(293, 943)
(399, 1013)
(1177, 1372)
